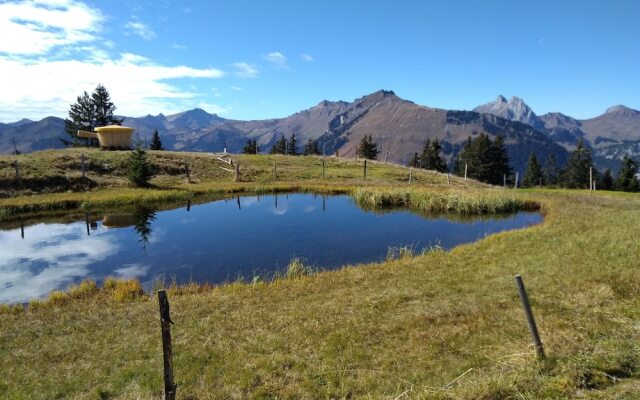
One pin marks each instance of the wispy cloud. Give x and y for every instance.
(307, 57)
(140, 29)
(245, 70)
(277, 60)
(36, 27)
(236, 88)
(179, 46)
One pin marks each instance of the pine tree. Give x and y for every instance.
(533, 173)
(550, 171)
(606, 180)
(486, 161)
(139, 170)
(627, 181)
(143, 217)
(576, 173)
(367, 148)
(430, 158)
(279, 147)
(292, 145)
(81, 117)
(500, 161)
(415, 161)
(103, 107)
(311, 148)
(87, 113)
(251, 147)
(156, 144)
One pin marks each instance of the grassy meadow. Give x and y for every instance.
(438, 325)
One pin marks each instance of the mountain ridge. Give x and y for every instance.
(399, 126)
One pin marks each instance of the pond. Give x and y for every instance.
(221, 241)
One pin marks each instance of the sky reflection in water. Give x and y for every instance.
(220, 241)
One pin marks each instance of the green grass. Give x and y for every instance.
(438, 325)
(51, 180)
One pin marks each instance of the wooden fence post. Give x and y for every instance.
(465, 172)
(529, 316)
(448, 179)
(187, 172)
(237, 172)
(365, 168)
(165, 324)
(590, 180)
(410, 174)
(516, 184)
(16, 166)
(386, 157)
(83, 159)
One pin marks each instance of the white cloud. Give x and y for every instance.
(307, 57)
(36, 27)
(51, 51)
(179, 46)
(245, 70)
(236, 88)
(131, 271)
(141, 29)
(277, 59)
(36, 265)
(138, 86)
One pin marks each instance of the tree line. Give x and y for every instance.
(487, 161)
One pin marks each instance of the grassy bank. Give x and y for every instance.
(441, 325)
(51, 180)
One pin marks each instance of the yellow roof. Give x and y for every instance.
(114, 129)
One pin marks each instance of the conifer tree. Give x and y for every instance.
(430, 158)
(367, 148)
(81, 117)
(415, 161)
(87, 113)
(627, 180)
(606, 180)
(139, 170)
(156, 144)
(486, 161)
(550, 171)
(576, 173)
(311, 148)
(280, 147)
(103, 107)
(533, 173)
(292, 146)
(251, 147)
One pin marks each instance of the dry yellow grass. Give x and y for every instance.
(443, 325)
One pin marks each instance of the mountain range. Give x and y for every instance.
(399, 127)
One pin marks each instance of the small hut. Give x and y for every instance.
(111, 137)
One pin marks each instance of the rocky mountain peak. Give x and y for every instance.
(515, 109)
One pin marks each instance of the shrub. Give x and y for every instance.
(139, 169)
(85, 289)
(297, 269)
(127, 290)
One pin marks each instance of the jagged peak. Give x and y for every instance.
(501, 99)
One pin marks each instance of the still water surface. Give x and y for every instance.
(221, 241)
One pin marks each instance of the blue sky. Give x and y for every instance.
(263, 59)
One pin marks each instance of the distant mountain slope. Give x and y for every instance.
(401, 127)
(32, 135)
(610, 135)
